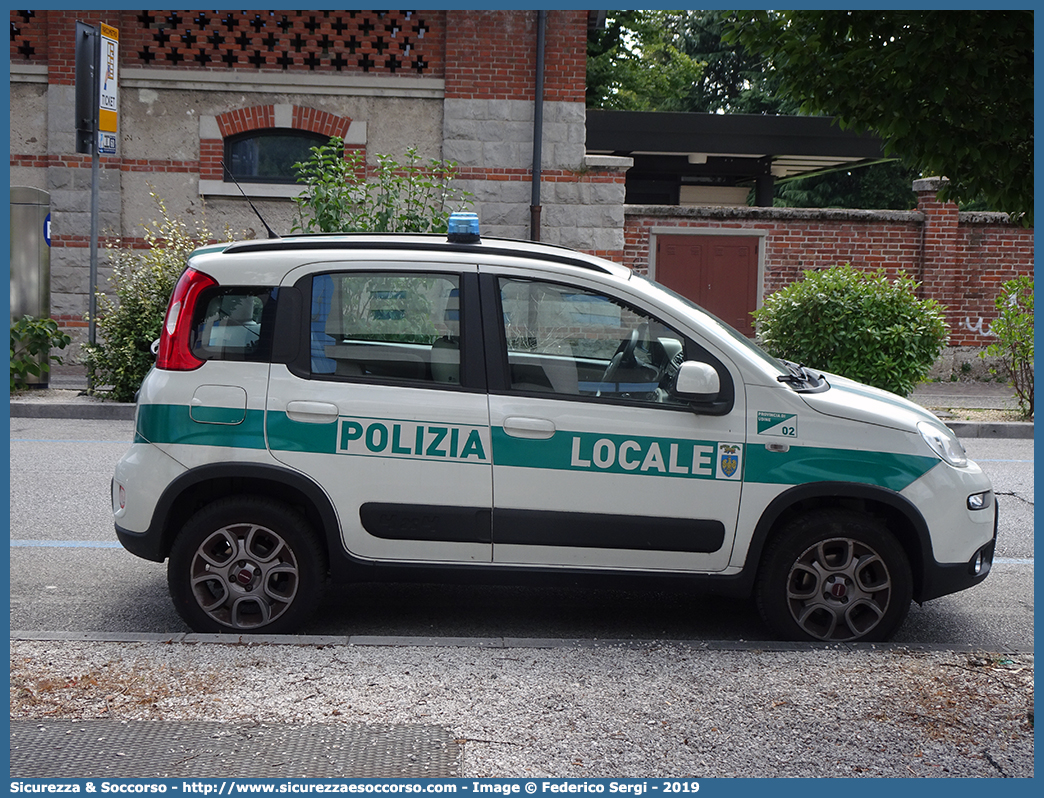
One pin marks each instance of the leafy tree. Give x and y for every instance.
(733, 80)
(951, 92)
(635, 64)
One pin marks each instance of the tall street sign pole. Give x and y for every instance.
(97, 57)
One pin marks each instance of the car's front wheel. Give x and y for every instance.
(246, 564)
(834, 576)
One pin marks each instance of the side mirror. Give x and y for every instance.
(697, 382)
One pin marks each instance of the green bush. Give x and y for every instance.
(31, 343)
(862, 326)
(1014, 344)
(143, 281)
(399, 198)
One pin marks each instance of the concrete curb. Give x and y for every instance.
(991, 429)
(108, 411)
(124, 411)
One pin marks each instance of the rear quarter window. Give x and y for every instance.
(233, 323)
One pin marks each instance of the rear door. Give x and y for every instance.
(387, 410)
(595, 464)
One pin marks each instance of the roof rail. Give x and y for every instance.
(424, 242)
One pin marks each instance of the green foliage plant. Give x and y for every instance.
(339, 197)
(143, 281)
(863, 326)
(31, 343)
(1014, 344)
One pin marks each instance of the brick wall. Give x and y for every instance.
(491, 55)
(961, 260)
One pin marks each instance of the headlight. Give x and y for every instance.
(944, 443)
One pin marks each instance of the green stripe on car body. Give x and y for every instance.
(672, 457)
(174, 424)
(287, 435)
(564, 451)
(801, 464)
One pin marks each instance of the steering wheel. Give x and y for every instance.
(624, 352)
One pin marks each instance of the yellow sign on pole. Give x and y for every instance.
(108, 101)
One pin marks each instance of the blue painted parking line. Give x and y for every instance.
(67, 440)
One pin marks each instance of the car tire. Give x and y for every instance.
(834, 576)
(246, 565)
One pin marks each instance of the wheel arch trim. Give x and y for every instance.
(915, 538)
(172, 509)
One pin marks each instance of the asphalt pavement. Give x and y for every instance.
(825, 714)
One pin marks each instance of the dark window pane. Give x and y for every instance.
(269, 156)
(387, 326)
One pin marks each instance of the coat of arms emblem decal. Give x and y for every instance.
(729, 460)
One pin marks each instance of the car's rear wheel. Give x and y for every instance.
(834, 576)
(246, 564)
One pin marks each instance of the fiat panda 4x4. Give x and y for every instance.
(359, 407)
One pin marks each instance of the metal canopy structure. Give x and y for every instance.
(674, 150)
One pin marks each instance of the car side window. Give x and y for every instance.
(562, 340)
(386, 326)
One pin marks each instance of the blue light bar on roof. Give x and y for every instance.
(463, 228)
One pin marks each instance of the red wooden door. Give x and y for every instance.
(719, 273)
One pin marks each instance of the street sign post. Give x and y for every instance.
(97, 124)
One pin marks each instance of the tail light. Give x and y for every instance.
(175, 347)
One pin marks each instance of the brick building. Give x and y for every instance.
(456, 85)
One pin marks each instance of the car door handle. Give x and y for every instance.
(311, 412)
(526, 427)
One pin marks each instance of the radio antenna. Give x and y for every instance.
(271, 233)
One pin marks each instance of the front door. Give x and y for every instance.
(595, 463)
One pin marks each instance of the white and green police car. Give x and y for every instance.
(359, 407)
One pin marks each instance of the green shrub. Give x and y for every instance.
(143, 281)
(862, 326)
(1014, 344)
(408, 198)
(31, 343)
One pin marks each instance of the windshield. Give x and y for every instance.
(798, 377)
(736, 336)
